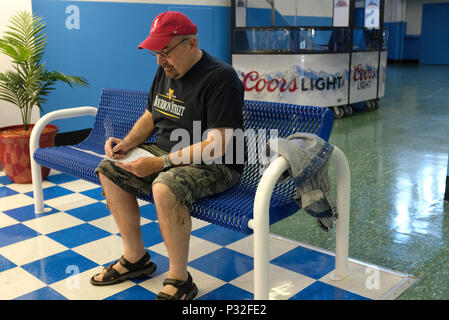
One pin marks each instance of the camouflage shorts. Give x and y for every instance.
(189, 183)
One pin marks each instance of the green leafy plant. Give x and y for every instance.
(28, 83)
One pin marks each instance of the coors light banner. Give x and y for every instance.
(364, 76)
(316, 79)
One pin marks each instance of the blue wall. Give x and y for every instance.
(434, 47)
(411, 47)
(104, 48)
(396, 35)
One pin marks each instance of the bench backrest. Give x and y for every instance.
(119, 109)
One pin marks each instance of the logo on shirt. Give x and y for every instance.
(168, 105)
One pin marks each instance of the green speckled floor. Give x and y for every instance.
(398, 157)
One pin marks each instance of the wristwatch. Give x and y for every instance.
(167, 163)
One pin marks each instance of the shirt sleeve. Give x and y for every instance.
(225, 101)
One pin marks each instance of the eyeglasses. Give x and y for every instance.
(165, 54)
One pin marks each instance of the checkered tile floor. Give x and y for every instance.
(53, 255)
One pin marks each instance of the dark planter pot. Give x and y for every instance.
(15, 151)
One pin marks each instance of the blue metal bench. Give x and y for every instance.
(119, 109)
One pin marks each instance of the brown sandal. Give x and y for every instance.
(187, 288)
(135, 270)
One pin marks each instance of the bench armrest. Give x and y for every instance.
(56, 115)
(34, 145)
(260, 222)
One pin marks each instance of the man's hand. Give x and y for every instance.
(115, 148)
(143, 166)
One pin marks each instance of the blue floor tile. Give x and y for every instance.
(224, 264)
(90, 212)
(52, 192)
(27, 213)
(16, 233)
(218, 235)
(322, 291)
(151, 234)
(161, 262)
(60, 178)
(94, 193)
(5, 180)
(311, 263)
(59, 266)
(148, 211)
(5, 191)
(228, 292)
(45, 293)
(5, 264)
(133, 293)
(78, 235)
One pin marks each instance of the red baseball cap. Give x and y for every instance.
(165, 26)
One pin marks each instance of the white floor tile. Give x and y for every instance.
(108, 223)
(283, 283)
(277, 246)
(69, 202)
(160, 249)
(103, 250)
(6, 220)
(15, 201)
(78, 287)
(53, 222)
(197, 223)
(365, 280)
(28, 187)
(16, 282)
(54, 172)
(205, 282)
(79, 185)
(198, 248)
(30, 250)
(155, 283)
(141, 202)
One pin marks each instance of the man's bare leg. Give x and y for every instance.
(126, 213)
(175, 224)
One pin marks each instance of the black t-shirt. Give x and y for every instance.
(210, 94)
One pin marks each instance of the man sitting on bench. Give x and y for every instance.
(192, 92)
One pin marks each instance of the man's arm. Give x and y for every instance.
(140, 132)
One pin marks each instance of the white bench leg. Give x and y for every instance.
(260, 221)
(36, 173)
(37, 188)
(343, 205)
(260, 224)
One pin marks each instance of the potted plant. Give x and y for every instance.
(26, 85)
